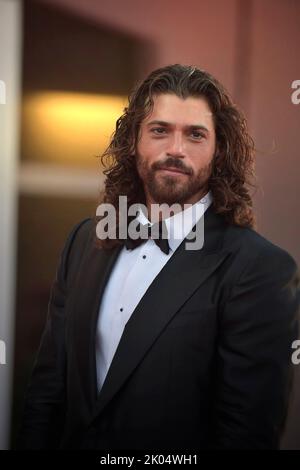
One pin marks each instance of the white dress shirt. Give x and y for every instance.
(132, 274)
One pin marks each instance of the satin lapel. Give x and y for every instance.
(177, 281)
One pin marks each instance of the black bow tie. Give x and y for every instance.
(158, 232)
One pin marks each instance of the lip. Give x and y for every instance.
(173, 170)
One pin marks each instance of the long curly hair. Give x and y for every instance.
(232, 172)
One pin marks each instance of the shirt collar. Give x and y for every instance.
(180, 224)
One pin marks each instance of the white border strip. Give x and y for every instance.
(10, 65)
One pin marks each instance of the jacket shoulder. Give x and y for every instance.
(74, 248)
(246, 243)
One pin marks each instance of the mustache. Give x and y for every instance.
(171, 163)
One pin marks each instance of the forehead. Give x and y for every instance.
(181, 112)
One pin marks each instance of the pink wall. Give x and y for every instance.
(275, 119)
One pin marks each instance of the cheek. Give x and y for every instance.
(150, 148)
(202, 152)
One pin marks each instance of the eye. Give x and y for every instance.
(157, 129)
(198, 134)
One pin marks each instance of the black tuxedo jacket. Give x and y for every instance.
(204, 360)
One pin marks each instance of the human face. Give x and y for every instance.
(175, 150)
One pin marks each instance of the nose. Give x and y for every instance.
(176, 147)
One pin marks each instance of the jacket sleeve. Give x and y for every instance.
(44, 407)
(258, 325)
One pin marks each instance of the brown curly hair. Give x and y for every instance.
(233, 165)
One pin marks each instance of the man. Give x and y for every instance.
(149, 344)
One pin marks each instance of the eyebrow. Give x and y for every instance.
(167, 124)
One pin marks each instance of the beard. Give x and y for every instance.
(172, 189)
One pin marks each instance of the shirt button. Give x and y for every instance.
(144, 256)
(121, 309)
